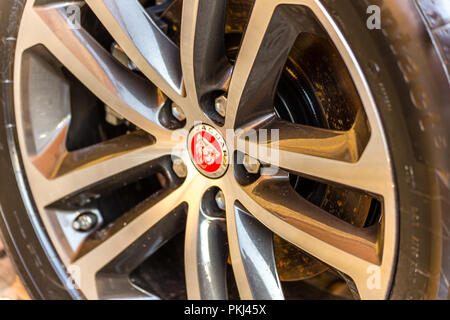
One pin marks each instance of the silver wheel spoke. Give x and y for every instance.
(144, 43)
(204, 62)
(342, 246)
(264, 50)
(347, 158)
(277, 196)
(113, 280)
(119, 88)
(101, 255)
(252, 255)
(122, 90)
(205, 252)
(55, 161)
(274, 134)
(366, 174)
(99, 170)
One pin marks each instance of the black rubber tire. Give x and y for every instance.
(33, 256)
(405, 64)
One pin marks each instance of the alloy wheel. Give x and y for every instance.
(70, 182)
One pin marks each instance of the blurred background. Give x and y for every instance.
(10, 286)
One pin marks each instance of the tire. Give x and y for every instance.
(406, 66)
(33, 258)
(420, 163)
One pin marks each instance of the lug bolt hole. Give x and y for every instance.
(213, 203)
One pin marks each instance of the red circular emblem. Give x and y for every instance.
(208, 151)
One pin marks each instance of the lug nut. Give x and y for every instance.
(220, 200)
(251, 164)
(179, 168)
(84, 222)
(177, 112)
(221, 105)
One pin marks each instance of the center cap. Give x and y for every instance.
(208, 151)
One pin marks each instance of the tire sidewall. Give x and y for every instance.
(409, 85)
(24, 235)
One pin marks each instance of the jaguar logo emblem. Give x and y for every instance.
(205, 153)
(208, 151)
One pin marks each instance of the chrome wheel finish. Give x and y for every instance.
(254, 210)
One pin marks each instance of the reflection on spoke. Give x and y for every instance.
(252, 256)
(142, 40)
